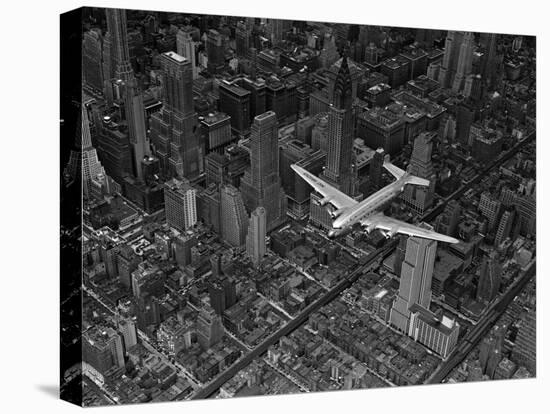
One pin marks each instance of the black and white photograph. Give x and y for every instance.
(279, 205)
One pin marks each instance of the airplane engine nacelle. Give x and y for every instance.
(368, 228)
(324, 201)
(388, 234)
(335, 214)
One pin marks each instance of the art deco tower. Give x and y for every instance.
(261, 185)
(339, 168)
(421, 198)
(174, 129)
(457, 60)
(464, 64)
(255, 239)
(83, 162)
(415, 286)
(131, 96)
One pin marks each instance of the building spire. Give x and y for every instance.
(85, 129)
(342, 86)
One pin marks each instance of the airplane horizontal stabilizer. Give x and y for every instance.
(395, 171)
(418, 181)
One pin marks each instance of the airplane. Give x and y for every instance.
(349, 212)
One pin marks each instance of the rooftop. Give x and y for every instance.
(174, 56)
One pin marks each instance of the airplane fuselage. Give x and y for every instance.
(369, 206)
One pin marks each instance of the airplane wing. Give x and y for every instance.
(392, 226)
(330, 194)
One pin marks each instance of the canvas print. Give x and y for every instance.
(257, 206)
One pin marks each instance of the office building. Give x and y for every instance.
(447, 222)
(457, 60)
(215, 51)
(83, 162)
(174, 129)
(281, 97)
(375, 171)
(216, 132)
(416, 280)
(243, 32)
(397, 69)
(381, 128)
(257, 97)
(410, 312)
(127, 261)
(464, 64)
(438, 334)
(182, 248)
(233, 217)
(92, 44)
(185, 46)
(127, 328)
(465, 116)
(489, 206)
(209, 328)
(525, 347)
(255, 239)
(102, 348)
(113, 149)
(526, 205)
(504, 226)
(180, 204)
(174, 336)
(319, 133)
(209, 208)
(132, 97)
(489, 278)
(296, 189)
(339, 171)
(235, 102)
(420, 198)
(261, 185)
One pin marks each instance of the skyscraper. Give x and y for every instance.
(489, 206)
(375, 170)
(410, 312)
(174, 128)
(215, 51)
(457, 60)
(525, 347)
(92, 59)
(447, 222)
(261, 185)
(489, 278)
(102, 348)
(464, 64)
(127, 328)
(416, 281)
(133, 100)
(209, 328)
(180, 204)
(235, 101)
(186, 47)
(234, 221)
(339, 169)
(416, 197)
(489, 59)
(504, 226)
(83, 161)
(255, 239)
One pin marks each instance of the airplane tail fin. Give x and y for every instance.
(399, 173)
(395, 171)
